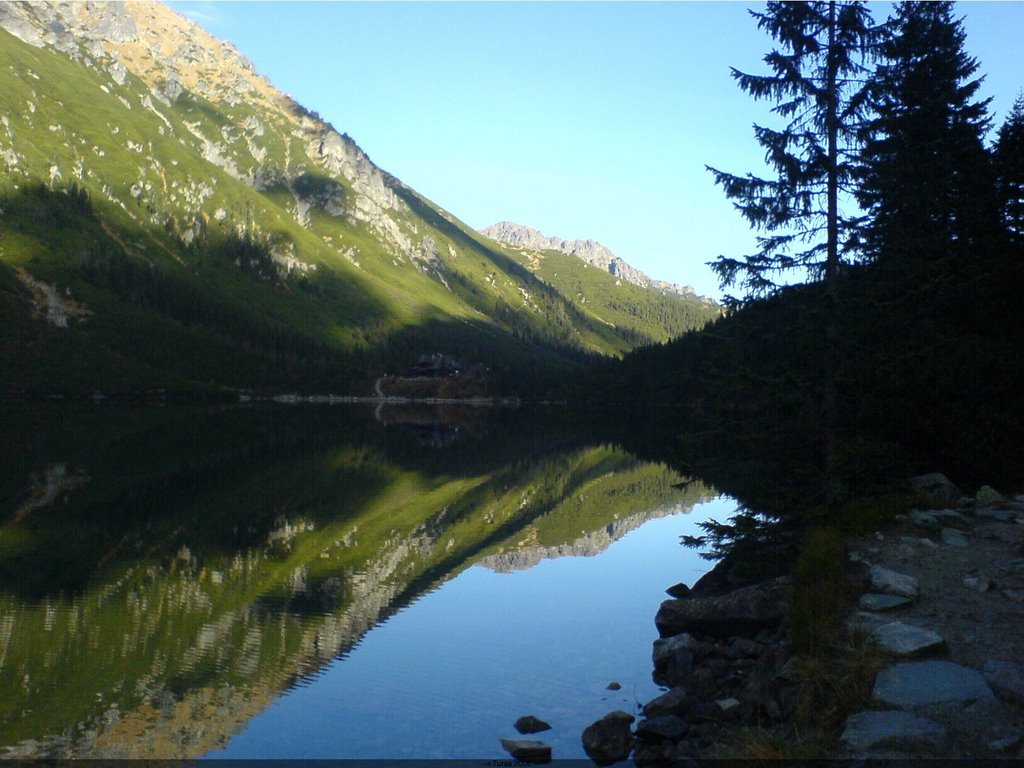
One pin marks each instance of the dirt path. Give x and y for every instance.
(969, 564)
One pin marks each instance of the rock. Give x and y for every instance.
(920, 683)
(527, 750)
(891, 729)
(679, 590)
(609, 739)
(987, 496)
(924, 519)
(875, 602)
(673, 702)
(743, 611)
(727, 705)
(667, 648)
(951, 516)
(1006, 678)
(664, 728)
(893, 583)
(936, 487)
(953, 538)
(1004, 744)
(978, 583)
(1002, 515)
(531, 724)
(741, 647)
(907, 640)
(613, 686)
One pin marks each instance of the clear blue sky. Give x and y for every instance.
(584, 120)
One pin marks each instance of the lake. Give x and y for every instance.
(326, 582)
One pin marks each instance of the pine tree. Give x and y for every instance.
(813, 81)
(927, 182)
(1009, 161)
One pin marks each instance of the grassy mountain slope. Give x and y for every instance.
(170, 219)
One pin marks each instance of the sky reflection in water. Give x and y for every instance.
(450, 674)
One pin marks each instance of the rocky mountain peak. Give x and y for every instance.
(592, 252)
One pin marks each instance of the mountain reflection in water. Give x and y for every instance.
(165, 574)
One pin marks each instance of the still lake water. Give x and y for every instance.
(326, 583)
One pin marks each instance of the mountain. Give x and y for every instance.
(169, 219)
(592, 252)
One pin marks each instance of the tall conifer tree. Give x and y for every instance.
(1009, 157)
(927, 181)
(814, 74)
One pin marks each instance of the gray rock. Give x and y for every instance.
(678, 590)
(924, 519)
(1002, 515)
(920, 683)
(978, 583)
(666, 647)
(609, 739)
(907, 640)
(531, 724)
(743, 611)
(875, 602)
(953, 538)
(893, 583)
(936, 487)
(527, 750)
(727, 705)
(664, 728)
(951, 516)
(891, 729)
(988, 496)
(613, 686)
(673, 702)
(1006, 678)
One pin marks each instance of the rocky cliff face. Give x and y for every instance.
(590, 251)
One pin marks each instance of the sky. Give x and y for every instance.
(585, 120)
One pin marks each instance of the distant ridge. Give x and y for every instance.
(590, 251)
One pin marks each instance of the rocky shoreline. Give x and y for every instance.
(940, 610)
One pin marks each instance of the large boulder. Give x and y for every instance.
(988, 496)
(743, 611)
(902, 639)
(922, 683)
(609, 739)
(891, 582)
(936, 488)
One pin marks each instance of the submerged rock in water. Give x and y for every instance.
(531, 724)
(527, 750)
(609, 739)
